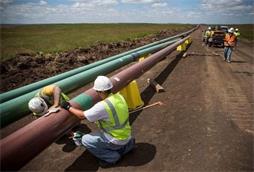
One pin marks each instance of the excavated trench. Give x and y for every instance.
(26, 68)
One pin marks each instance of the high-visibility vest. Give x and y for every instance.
(230, 40)
(207, 33)
(237, 34)
(118, 123)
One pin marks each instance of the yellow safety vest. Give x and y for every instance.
(207, 33)
(118, 124)
(237, 34)
(49, 99)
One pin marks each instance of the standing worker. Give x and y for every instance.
(48, 97)
(229, 43)
(208, 34)
(112, 117)
(237, 34)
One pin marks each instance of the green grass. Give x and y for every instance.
(54, 38)
(246, 31)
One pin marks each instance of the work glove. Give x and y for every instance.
(66, 105)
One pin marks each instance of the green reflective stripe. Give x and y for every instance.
(117, 123)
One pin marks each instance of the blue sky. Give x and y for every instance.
(127, 11)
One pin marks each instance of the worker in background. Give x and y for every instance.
(229, 43)
(237, 34)
(208, 35)
(114, 139)
(48, 97)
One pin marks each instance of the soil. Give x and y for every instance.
(206, 123)
(28, 68)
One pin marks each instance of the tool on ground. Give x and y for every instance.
(148, 106)
(158, 88)
(52, 110)
(184, 55)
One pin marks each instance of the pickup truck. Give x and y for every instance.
(217, 38)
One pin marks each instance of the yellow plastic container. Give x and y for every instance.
(187, 42)
(132, 95)
(181, 47)
(141, 59)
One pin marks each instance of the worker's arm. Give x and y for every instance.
(57, 95)
(97, 112)
(77, 112)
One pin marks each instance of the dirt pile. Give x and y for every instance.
(26, 68)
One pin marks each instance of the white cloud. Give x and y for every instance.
(96, 2)
(224, 5)
(95, 11)
(43, 2)
(4, 4)
(159, 5)
(139, 1)
(5, 1)
(227, 9)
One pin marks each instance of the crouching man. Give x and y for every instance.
(114, 139)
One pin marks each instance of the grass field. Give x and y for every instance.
(61, 37)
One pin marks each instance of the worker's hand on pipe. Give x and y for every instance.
(52, 110)
(66, 105)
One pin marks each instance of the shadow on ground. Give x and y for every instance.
(69, 145)
(142, 154)
(149, 92)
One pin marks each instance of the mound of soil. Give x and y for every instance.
(27, 68)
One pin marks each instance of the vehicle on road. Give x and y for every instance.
(217, 36)
(224, 28)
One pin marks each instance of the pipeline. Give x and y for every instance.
(8, 110)
(21, 146)
(37, 85)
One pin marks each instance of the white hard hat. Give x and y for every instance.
(209, 28)
(231, 30)
(38, 106)
(102, 83)
(236, 29)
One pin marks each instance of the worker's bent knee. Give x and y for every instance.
(89, 140)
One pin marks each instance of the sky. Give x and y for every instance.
(127, 11)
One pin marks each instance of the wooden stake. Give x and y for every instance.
(158, 88)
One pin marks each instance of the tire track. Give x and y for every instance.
(237, 101)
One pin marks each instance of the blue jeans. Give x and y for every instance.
(227, 53)
(100, 147)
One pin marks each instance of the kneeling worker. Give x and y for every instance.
(48, 97)
(112, 117)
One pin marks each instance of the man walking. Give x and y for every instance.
(112, 117)
(229, 43)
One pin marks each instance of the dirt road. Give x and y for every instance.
(206, 124)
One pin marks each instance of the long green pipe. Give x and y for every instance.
(31, 87)
(9, 112)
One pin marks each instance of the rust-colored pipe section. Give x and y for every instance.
(23, 145)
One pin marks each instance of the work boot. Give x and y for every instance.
(104, 164)
(77, 137)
